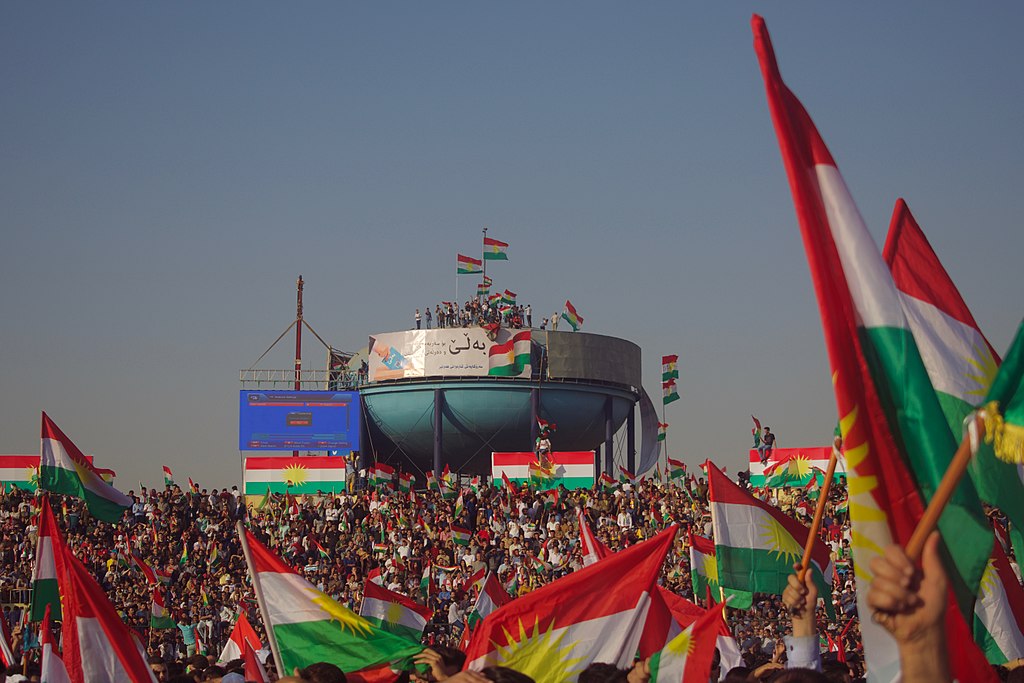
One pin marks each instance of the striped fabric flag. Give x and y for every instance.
(668, 367)
(626, 477)
(21, 471)
(242, 633)
(405, 480)
(52, 669)
(607, 482)
(460, 536)
(511, 358)
(688, 656)
(676, 468)
(431, 480)
(662, 431)
(571, 316)
(704, 575)
(669, 393)
(999, 611)
(393, 612)
(168, 476)
(159, 617)
(508, 297)
(44, 571)
(482, 289)
(383, 474)
(301, 475)
(310, 626)
(495, 250)
(961, 362)
(467, 265)
(64, 469)
(890, 419)
(494, 299)
(492, 595)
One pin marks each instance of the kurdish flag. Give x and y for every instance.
(460, 536)
(242, 633)
(570, 316)
(64, 469)
(467, 265)
(961, 363)
(44, 572)
(688, 656)
(308, 626)
(676, 468)
(168, 476)
(999, 611)
(492, 596)
(555, 632)
(159, 617)
(756, 545)
(494, 250)
(662, 431)
(511, 358)
(482, 289)
(668, 388)
(393, 612)
(704, 575)
(890, 420)
(52, 666)
(302, 475)
(21, 471)
(668, 367)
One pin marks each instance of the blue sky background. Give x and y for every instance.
(168, 169)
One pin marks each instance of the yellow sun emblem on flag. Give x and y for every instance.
(778, 540)
(798, 467)
(989, 579)
(349, 620)
(986, 368)
(682, 644)
(540, 654)
(393, 613)
(294, 474)
(710, 567)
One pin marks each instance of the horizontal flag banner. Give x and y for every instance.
(302, 475)
(21, 470)
(792, 466)
(572, 469)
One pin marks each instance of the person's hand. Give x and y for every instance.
(432, 659)
(906, 601)
(801, 599)
(641, 672)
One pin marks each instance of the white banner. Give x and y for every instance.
(456, 351)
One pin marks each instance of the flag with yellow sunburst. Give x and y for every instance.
(309, 626)
(756, 545)
(688, 656)
(555, 632)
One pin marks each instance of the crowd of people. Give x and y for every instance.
(475, 312)
(190, 536)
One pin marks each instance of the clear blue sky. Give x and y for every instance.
(168, 169)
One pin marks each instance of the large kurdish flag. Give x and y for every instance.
(21, 471)
(309, 626)
(555, 632)
(64, 469)
(792, 466)
(302, 475)
(511, 358)
(756, 544)
(894, 436)
(999, 611)
(572, 469)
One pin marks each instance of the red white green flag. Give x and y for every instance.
(570, 316)
(45, 592)
(662, 431)
(495, 250)
(555, 632)
(467, 265)
(64, 469)
(52, 666)
(461, 536)
(676, 468)
(168, 476)
(669, 392)
(756, 545)
(999, 611)
(895, 450)
(159, 617)
(492, 596)
(688, 656)
(511, 358)
(668, 367)
(309, 626)
(393, 612)
(242, 633)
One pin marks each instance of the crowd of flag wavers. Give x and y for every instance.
(686, 576)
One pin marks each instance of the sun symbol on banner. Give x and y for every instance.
(989, 579)
(295, 474)
(710, 567)
(349, 620)
(393, 613)
(540, 654)
(682, 644)
(778, 540)
(986, 366)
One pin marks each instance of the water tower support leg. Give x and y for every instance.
(631, 439)
(438, 430)
(534, 413)
(608, 434)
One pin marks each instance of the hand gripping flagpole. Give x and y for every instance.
(819, 510)
(258, 589)
(968, 447)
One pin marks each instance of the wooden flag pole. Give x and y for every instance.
(950, 479)
(819, 510)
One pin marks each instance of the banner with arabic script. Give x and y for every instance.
(449, 352)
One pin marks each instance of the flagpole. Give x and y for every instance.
(819, 510)
(260, 601)
(482, 257)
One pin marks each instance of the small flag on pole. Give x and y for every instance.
(570, 315)
(495, 250)
(467, 265)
